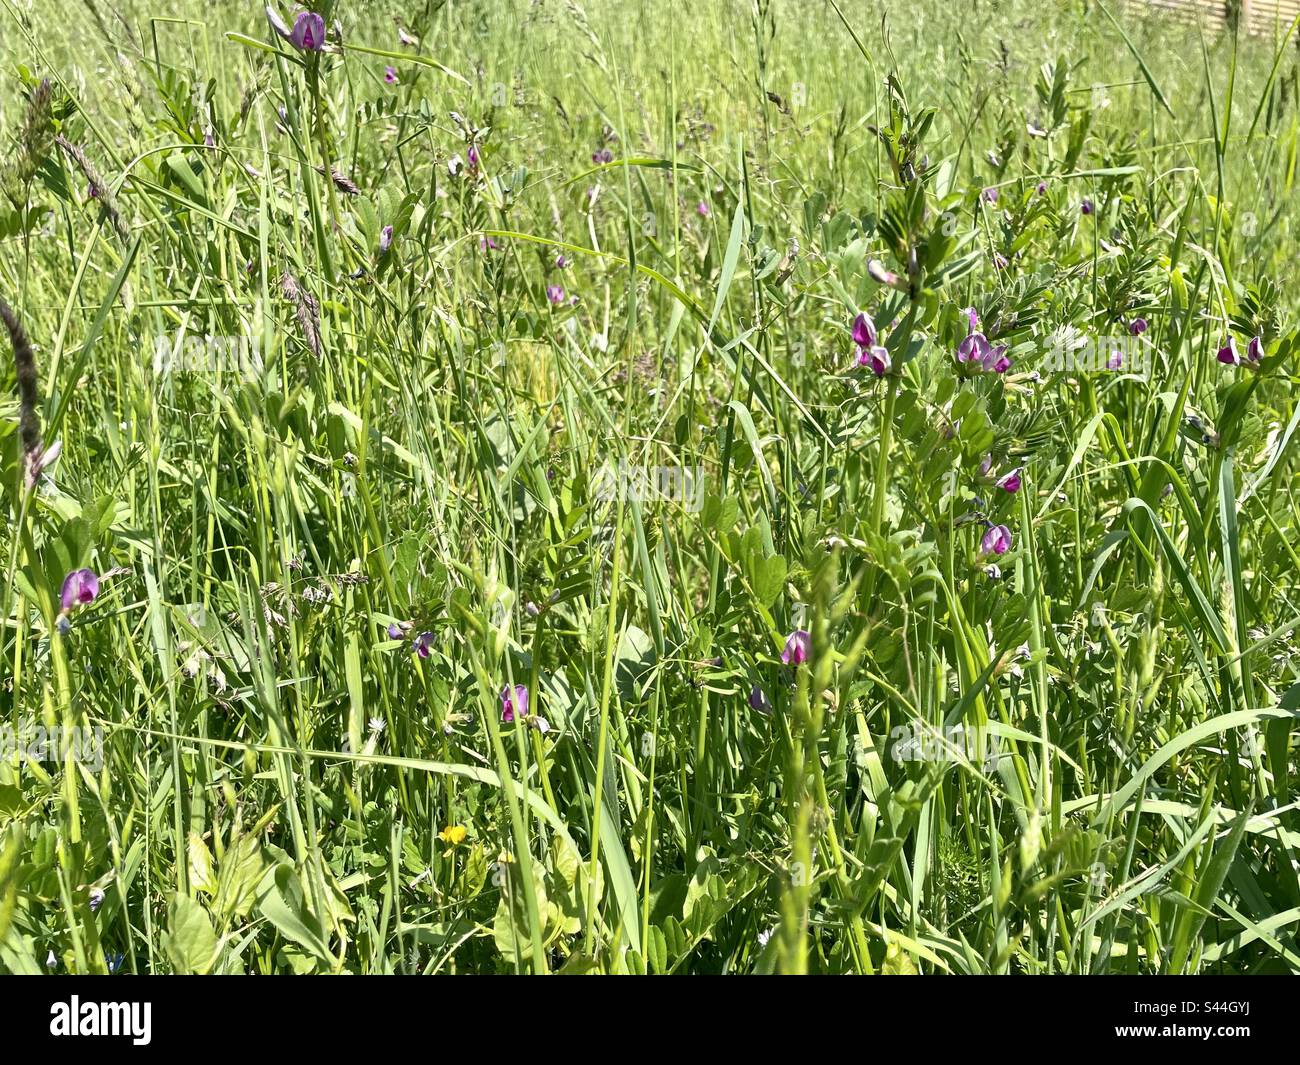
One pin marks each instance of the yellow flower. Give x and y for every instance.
(453, 834)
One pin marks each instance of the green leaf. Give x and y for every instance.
(281, 902)
(190, 941)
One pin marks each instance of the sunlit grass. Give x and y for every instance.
(367, 487)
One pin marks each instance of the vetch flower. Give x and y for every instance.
(390, 75)
(996, 360)
(79, 588)
(308, 32)
(798, 645)
(515, 702)
(759, 701)
(555, 294)
(1228, 354)
(385, 239)
(539, 723)
(602, 156)
(876, 269)
(996, 540)
(864, 331)
(989, 195)
(1041, 188)
(972, 319)
(1085, 206)
(1255, 350)
(472, 156)
(398, 630)
(422, 643)
(1009, 482)
(877, 358)
(702, 209)
(1116, 360)
(1137, 327)
(562, 261)
(870, 353)
(96, 899)
(976, 350)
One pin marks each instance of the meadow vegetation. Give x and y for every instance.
(744, 487)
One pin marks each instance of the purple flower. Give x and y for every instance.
(487, 244)
(1041, 188)
(702, 209)
(397, 630)
(970, 348)
(876, 357)
(1086, 206)
(996, 540)
(997, 360)
(986, 464)
(864, 331)
(562, 261)
(989, 195)
(1000, 261)
(308, 32)
(759, 701)
(878, 273)
(555, 293)
(1009, 482)
(385, 239)
(390, 75)
(602, 156)
(870, 353)
(972, 319)
(422, 643)
(1255, 350)
(514, 703)
(1228, 353)
(798, 645)
(1116, 360)
(976, 350)
(472, 156)
(1137, 327)
(79, 588)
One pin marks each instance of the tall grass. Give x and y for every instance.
(402, 428)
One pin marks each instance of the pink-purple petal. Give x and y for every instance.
(864, 331)
(798, 645)
(79, 588)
